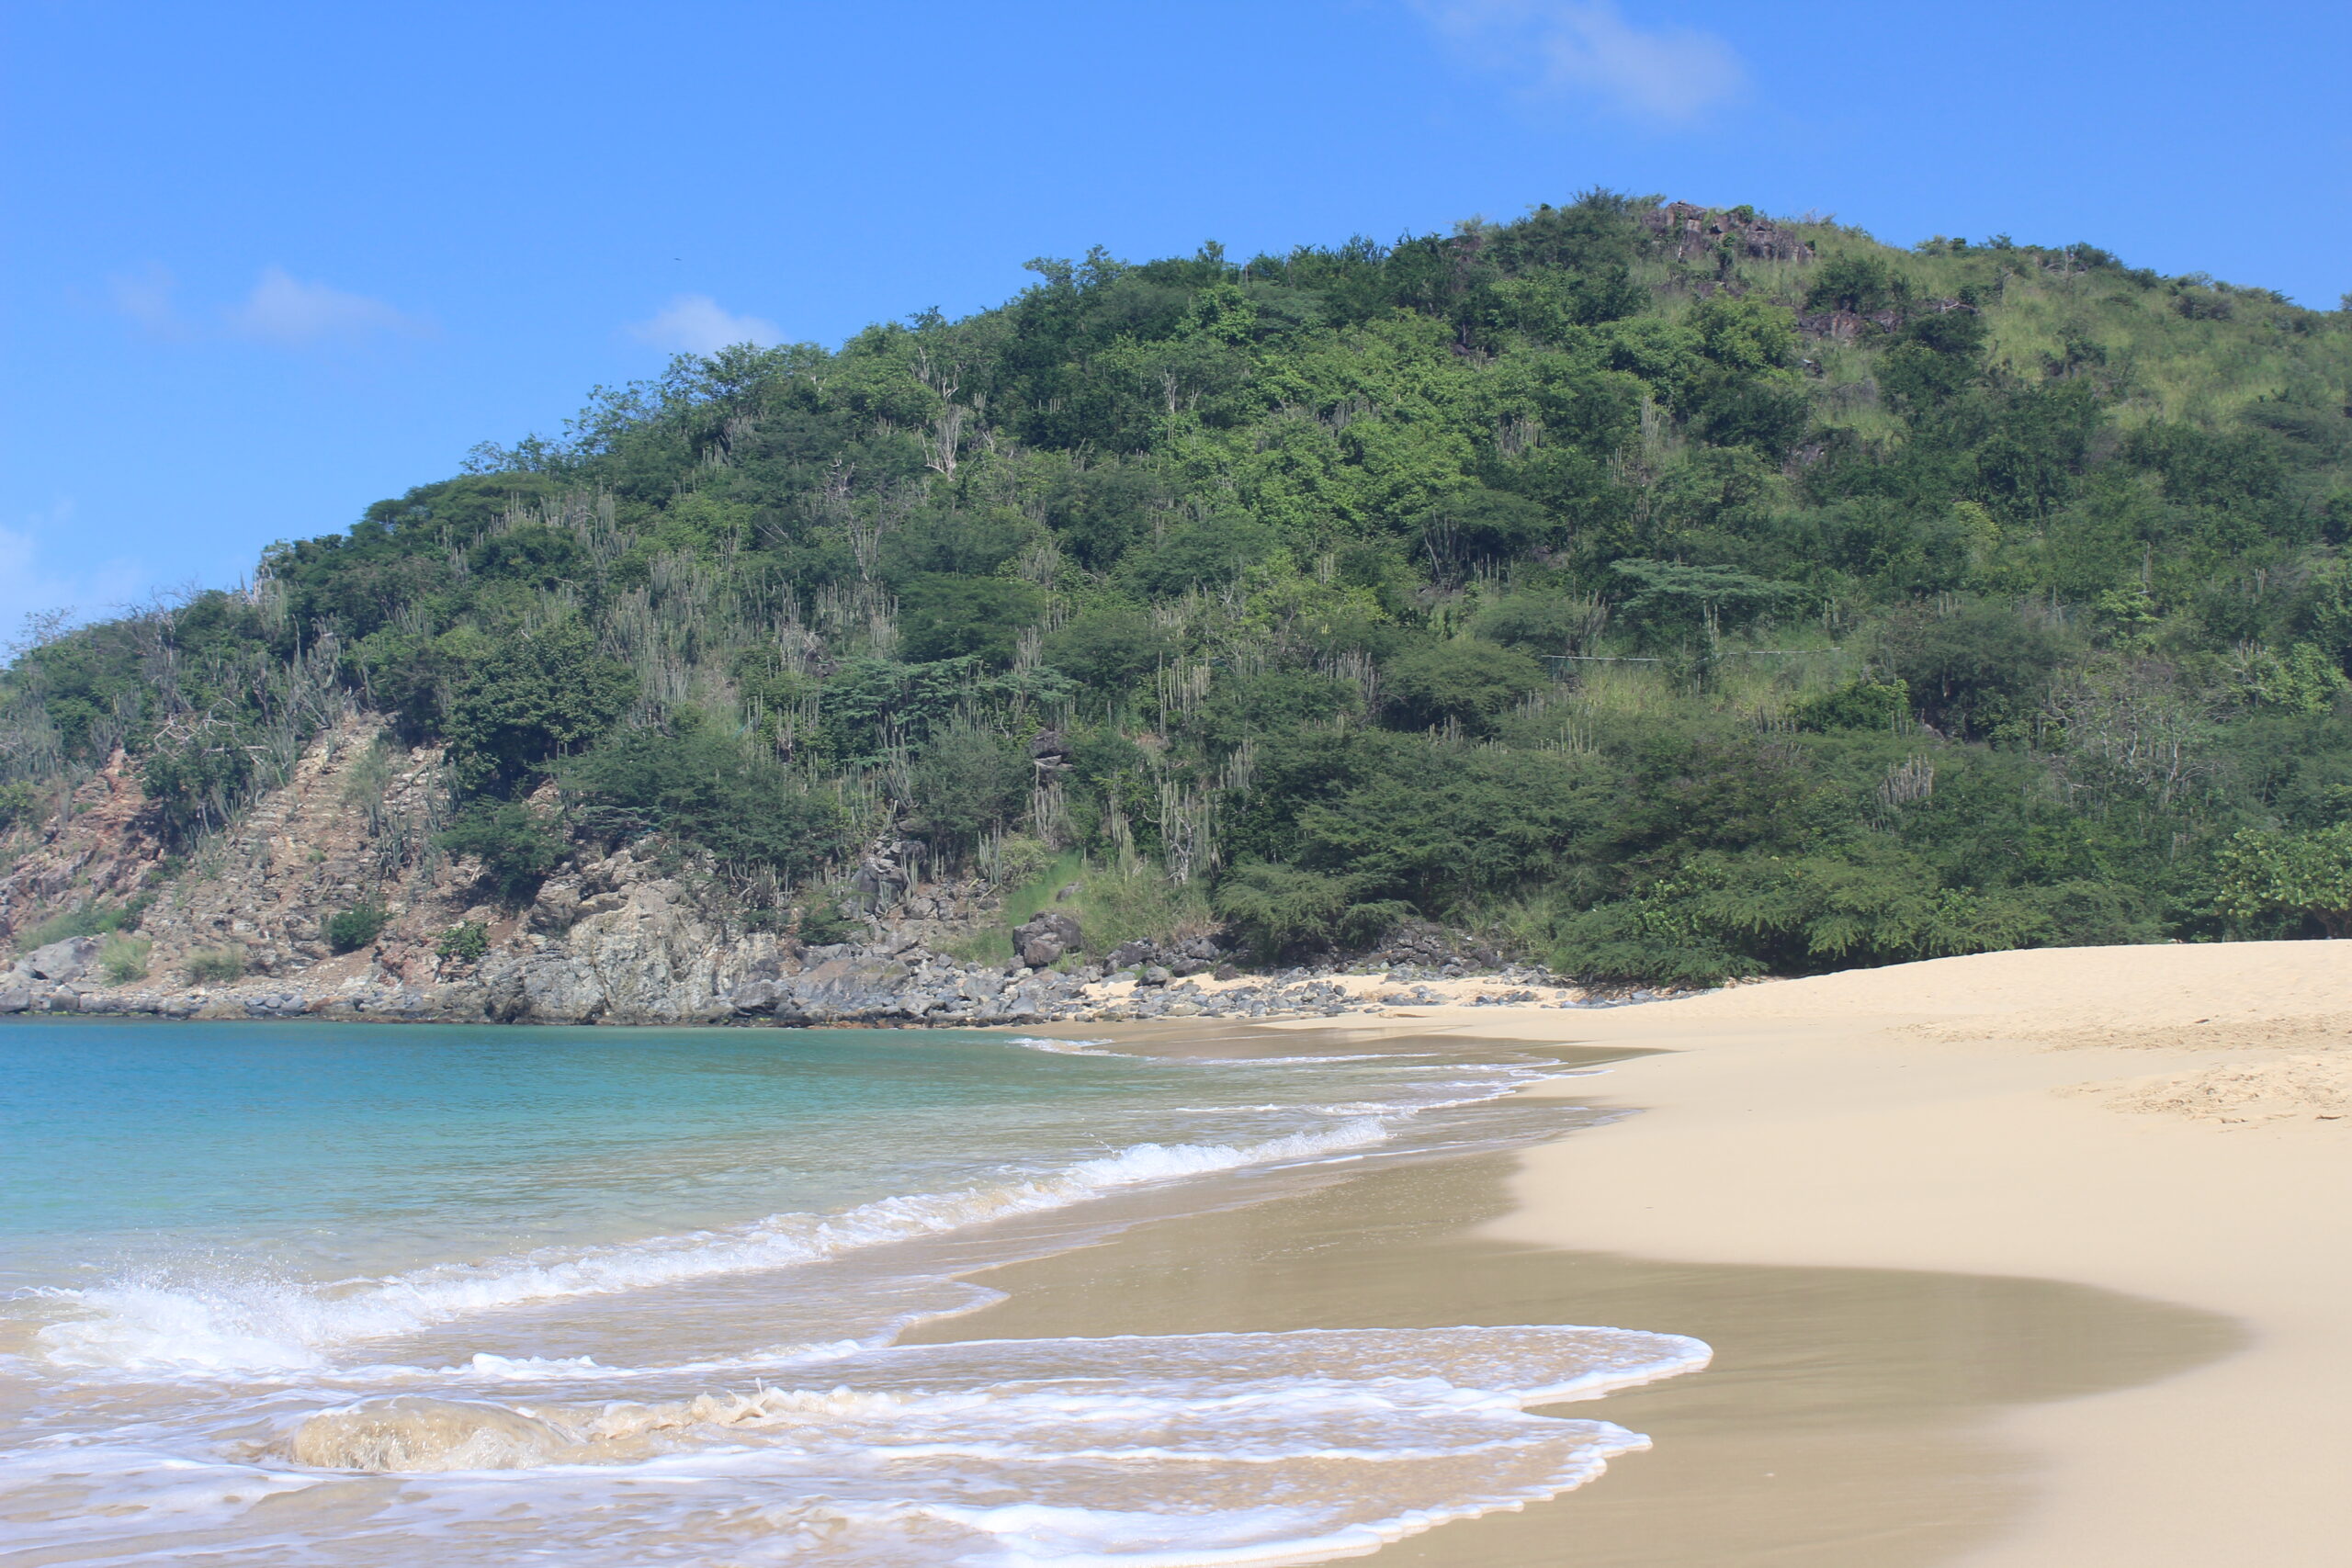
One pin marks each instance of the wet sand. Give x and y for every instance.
(2169, 1122)
(1848, 1420)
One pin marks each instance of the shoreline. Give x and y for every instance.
(2008, 1261)
(843, 987)
(1891, 1446)
(2168, 1123)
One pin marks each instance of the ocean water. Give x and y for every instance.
(351, 1294)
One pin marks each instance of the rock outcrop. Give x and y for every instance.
(240, 931)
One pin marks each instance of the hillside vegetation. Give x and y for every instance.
(1670, 594)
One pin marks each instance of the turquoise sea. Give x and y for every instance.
(351, 1294)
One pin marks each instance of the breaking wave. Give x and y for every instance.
(271, 1325)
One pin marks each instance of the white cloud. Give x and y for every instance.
(286, 310)
(29, 586)
(1587, 49)
(145, 297)
(696, 323)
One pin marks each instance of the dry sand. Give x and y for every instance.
(2166, 1123)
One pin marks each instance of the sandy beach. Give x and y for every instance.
(2018, 1260)
(2168, 1122)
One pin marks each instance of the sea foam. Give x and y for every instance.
(224, 1324)
(1131, 1450)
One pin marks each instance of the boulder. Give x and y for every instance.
(1045, 937)
(67, 960)
(842, 988)
(754, 995)
(557, 906)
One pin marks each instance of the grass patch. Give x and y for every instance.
(86, 919)
(123, 959)
(213, 965)
(988, 948)
(1112, 906)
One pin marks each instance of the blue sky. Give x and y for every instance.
(266, 263)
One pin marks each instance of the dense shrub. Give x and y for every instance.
(705, 791)
(528, 697)
(465, 942)
(348, 930)
(514, 844)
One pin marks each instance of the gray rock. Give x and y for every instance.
(841, 989)
(754, 995)
(15, 998)
(67, 960)
(1155, 975)
(557, 906)
(1045, 937)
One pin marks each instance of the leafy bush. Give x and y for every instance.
(1277, 907)
(512, 842)
(2299, 876)
(123, 959)
(348, 930)
(1469, 681)
(1862, 704)
(705, 791)
(20, 802)
(1723, 916)
(966, 782)
(1859, 283)
(467, 942)
(1978, 673)
(1108, 649)
(213, 965)
(957, 617)
(197, 780)
(822, 924)
(530, 696)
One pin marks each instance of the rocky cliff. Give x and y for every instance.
(240, 928)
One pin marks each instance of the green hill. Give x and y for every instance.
(1673, 593)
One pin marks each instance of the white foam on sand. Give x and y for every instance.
(1138, 1452)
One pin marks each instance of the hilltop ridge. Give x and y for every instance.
(1664, 593)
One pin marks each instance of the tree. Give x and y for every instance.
(1670, 599)
(535, 693)
(967, 781)
(514, 843)
(2297, 876)
(1276, 908)
(1469, 681)
(707, 791)
(1862, 284)
(943, 616)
